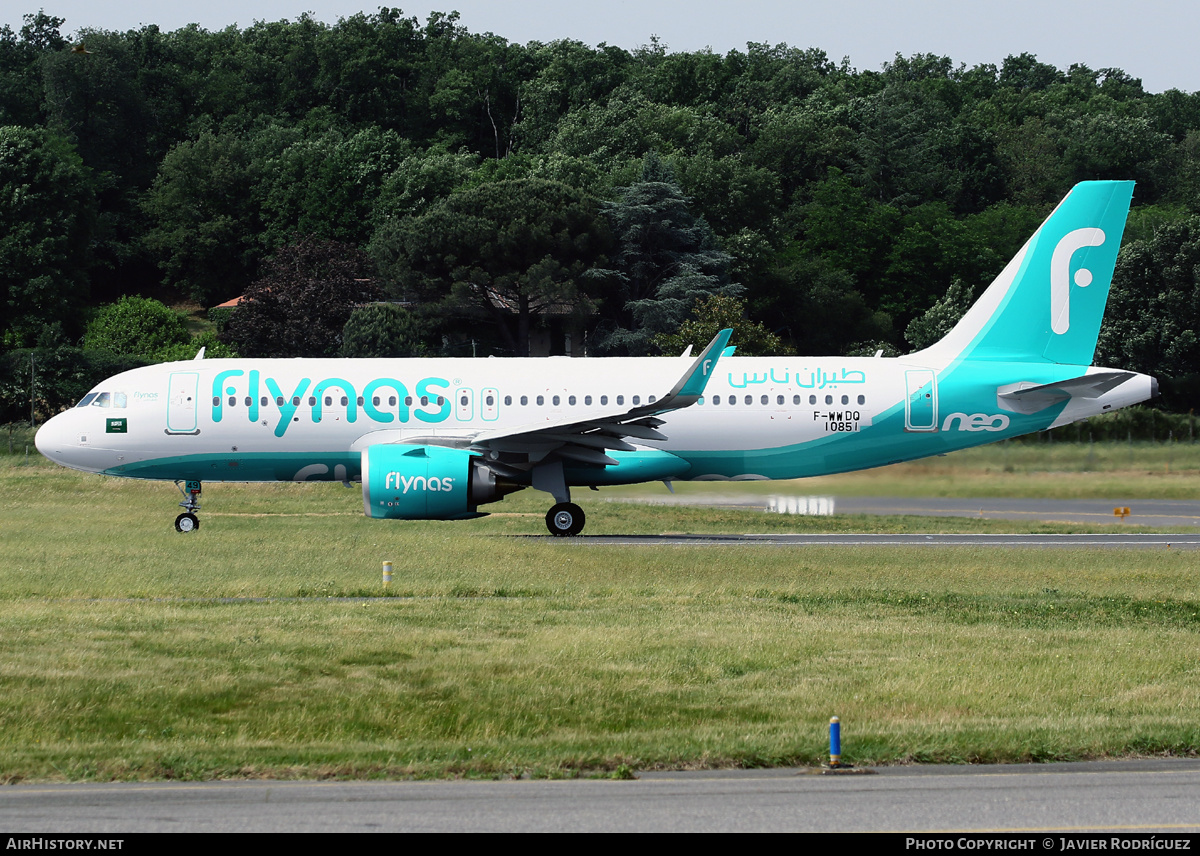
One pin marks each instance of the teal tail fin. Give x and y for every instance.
(1047, 304)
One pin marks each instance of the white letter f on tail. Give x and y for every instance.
(1060, 275)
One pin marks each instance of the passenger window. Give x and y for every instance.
(637, 399)
(328, 400)
(779, 399)
(440, 401)
(463, 401)
(248, 400)
(279, 401)
(216, 401)
(524, 400)
(764, 400)
(795, 399)
(555, 400)
(812, 399)
(424, 400)
(829, 399)
(862, 399)
(407, 401)
(233, 401)
(375, 400)
(296, 401)
(360, 401)
(507, 400)
(312, 401)
(716, 399)
(652, 399)
(620, 399)
(604, 399)
(587, 399)
(845, 399)
(541, 399)
(749, 399)
(489, 401)
(262, 402)
(571, 400)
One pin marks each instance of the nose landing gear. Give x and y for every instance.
(188, 521)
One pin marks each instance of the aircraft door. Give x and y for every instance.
(489, 407)
(181, 402)
(920, 407)
(464, 405)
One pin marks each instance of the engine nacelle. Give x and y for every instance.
(406, 482)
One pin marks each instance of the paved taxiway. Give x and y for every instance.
(1124, 540)
(1143, 512)
(1122, 796)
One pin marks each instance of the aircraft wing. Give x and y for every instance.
(585, 441)
(1028, 398)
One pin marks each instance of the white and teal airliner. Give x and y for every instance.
(438, 438)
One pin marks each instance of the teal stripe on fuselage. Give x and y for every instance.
(247, 467)
(969, 388)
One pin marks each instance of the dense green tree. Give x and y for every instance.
(713, 314)
(817, 305)
(939, 319)
(213, 347)
(665, 260)
(301, 304)
(421, 179)
(384, 330)
(505, 252)
(20, 74)
(94, 100)
(47, 218)
(327, 185)
(568, 76)
(205, 218)
(1152, 322)
(136, 326)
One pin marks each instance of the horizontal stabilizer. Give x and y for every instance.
(1031, 398)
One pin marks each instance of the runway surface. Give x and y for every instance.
(1124, 540)
(1153, 796)
(1142, 512)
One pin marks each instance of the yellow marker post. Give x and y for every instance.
(387, 575)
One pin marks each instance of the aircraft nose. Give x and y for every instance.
(53, 438)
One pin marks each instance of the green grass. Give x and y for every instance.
(1034, 470)
(494, 655)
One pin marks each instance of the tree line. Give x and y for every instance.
(386, 184)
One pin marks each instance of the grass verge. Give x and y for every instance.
(260, 645)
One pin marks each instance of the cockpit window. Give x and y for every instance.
(104, 399)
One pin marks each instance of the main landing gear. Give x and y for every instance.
(565, 519)
(188, 521)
